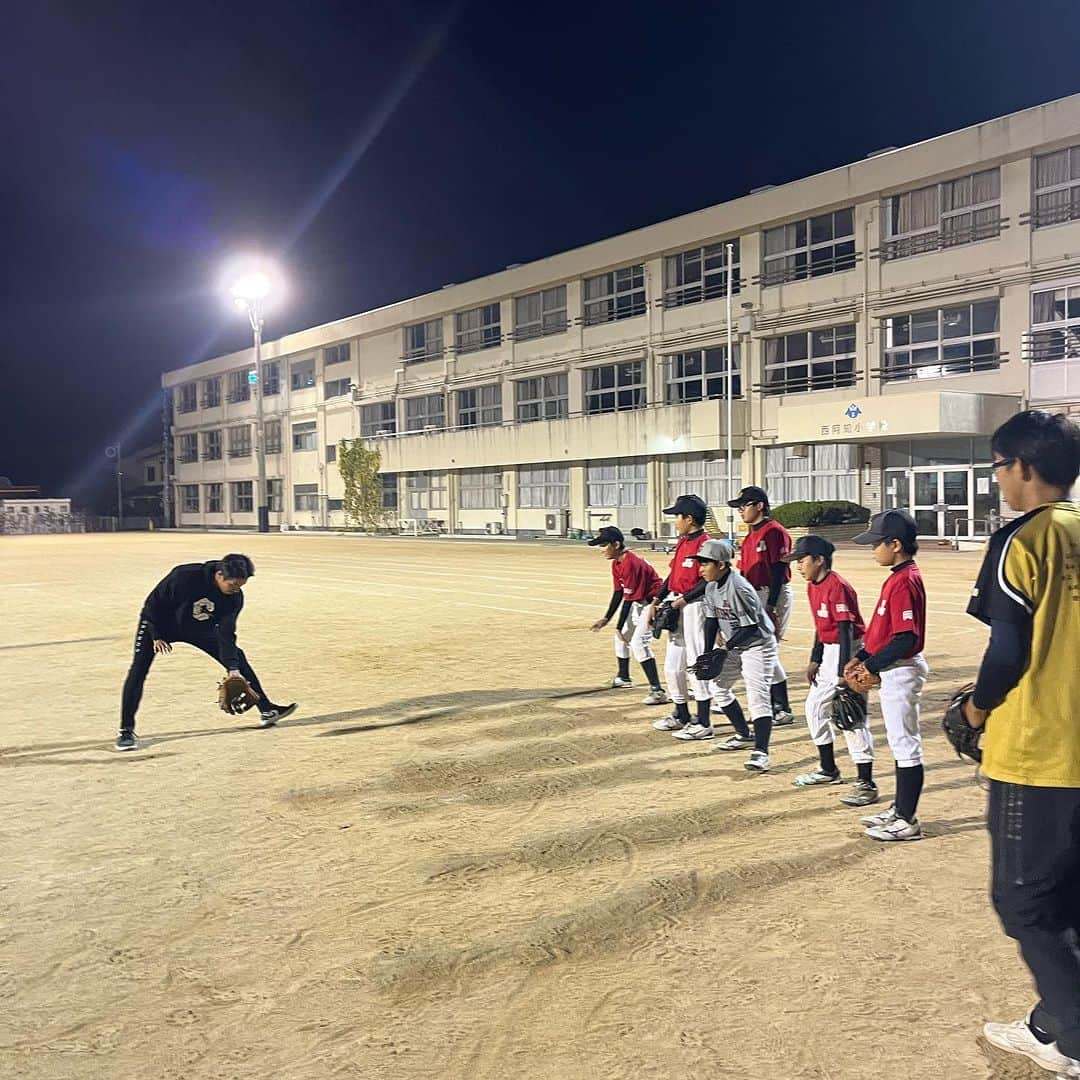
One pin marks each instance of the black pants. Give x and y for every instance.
(144, 657)
(1035, 846)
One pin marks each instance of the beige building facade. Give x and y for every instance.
(886, 316)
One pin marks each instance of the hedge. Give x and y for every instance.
(831, 512)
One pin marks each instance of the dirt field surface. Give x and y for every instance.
(462, 857)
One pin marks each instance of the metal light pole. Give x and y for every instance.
(730, 391)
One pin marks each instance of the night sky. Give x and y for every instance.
(384, 149)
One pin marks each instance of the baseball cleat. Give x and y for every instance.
(656, 697)
(757, 762)
(668, 723)
(818, 779)
(126, 741)
(783, 718)
(882, 818)
(862, 793)
(735, 742)
(693, 733)
(619, 683)
(898, 830)
(275, 713)
(1018, 1038)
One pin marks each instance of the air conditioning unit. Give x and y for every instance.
(666, 528)
(494, 528)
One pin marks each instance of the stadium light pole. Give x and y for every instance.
(730, 392)
(249, 293)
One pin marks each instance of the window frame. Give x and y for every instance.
(306, 438)
(715, 376)
(620, 297)
(237, 496)
(239, 387)
(329, 394)
(708, 281)
(332, 354)
(473, 411)
(413, 353)
(628, 388)
(811, 360)
(272, 446)
(207, 449)
(487, 334)
(187, 451)
(297, 367)
(423, 418)
(486, 494)
(215, 500)
(186, 491)
(211, 399)
(388, 423)
(187, 397)
(239, 447)
(786, 273)
(549, 404)
(271, 378)
(548, 483)
(929, 238)
(976, 362)
(553, 318)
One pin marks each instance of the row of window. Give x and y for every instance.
(210, 498)
(304, 437)
(239, 384)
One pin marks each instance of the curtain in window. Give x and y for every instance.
(1051, 169)
(917, 210)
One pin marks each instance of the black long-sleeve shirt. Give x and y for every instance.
(1005, 660)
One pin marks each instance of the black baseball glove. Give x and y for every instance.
(961, 735)
(708, 665)
(848, 711)
(666, 618)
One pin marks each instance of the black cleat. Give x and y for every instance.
(126, 741)
(269, 717)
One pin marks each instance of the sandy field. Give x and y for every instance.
(463, 857)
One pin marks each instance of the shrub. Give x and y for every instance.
(807, 514)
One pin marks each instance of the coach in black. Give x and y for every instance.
(198, 604)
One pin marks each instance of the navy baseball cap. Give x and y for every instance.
(690, 506)
(811, 544)
(607, 535)
(889, 525)
(750, 495)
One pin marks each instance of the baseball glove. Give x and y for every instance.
(666, 618)
(235, 694)
(961, 735)
(848, 711)
(859, 679)
(708, 665)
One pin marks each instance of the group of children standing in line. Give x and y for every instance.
(745, 601)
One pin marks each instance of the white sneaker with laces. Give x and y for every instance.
(882, 818)
(619, 683)
(898, 830)
(817, 779)
(783, 718)
(1016, 1038)
(735, 742)
(694, 733)
(758, 761)
(668, 723)
(656, 697)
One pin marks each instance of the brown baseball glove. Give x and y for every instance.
(858, 678)
(235, 694)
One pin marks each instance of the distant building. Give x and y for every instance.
(33, 514)
(143, 482)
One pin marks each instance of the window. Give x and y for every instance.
(704, 477)
(810, 360)
(543, 398)
(239, 387)
(820, 471)
(337, 388)
(240, 441)
(823, 244)
(331, 453)
(700, 374)
(477, 329)
(1057, 187)
(424, 412)
(1055, 324)
(388, 482)
(943, 215)
(243, 498)
(272, 436)
(305, 436)
(615, 483)
(424, 341)
(481, 489)
(188, 449)
(211, 393)
(186, 398)
(380, 419)
(271, 379)
(544, 489)
(943, 341)
(302, 374)
(151, 474)
(700, 274)
(335, 504)
(211, 447)
(615, 387)
(214, 503)
(619, 294)
(189, 494)
(336, 354)
(274, 500)
(425, 491)
(540, 313)
(480, 406)
(306, 497)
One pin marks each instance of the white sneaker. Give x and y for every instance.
(1016, 1038)
(694, 733)
(619, 683)
(668, 723)
(735, 742)
(783, 718)
(758, 762)
(717, 708)
(898, 830)
(882, 818)
(817, 779)
(656, 697)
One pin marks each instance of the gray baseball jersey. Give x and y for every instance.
(735, 603)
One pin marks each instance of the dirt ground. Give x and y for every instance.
(461, 858)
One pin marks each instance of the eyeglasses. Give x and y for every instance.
(1004, 463)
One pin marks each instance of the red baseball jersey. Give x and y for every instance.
(684, 567)
(761, 547)
(901, 609)
(637, 578)
(833, 601)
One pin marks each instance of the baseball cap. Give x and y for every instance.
(607, 535)
(811, 544)
(690, 506)
(715, 551)
(889, 525)
(750, 495)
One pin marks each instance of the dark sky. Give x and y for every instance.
(385, 148)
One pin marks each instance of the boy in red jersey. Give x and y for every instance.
(892, 651)
(838, 632)
(763, 562)
(637, 584)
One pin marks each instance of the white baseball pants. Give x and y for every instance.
(685, 645)
(634, 638)
(784, 604)
(900, 693)
(756, 666)
(819, 701)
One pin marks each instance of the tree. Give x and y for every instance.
(359, 468)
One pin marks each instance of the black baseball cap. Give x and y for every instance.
(811, 544)
(607, 535)
(750, 495)
(690, 506)
(889, 525)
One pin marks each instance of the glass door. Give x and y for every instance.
(955, 519)
(925, 501)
